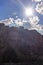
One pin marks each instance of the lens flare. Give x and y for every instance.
(29, 12)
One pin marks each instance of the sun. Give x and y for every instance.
(29, 12)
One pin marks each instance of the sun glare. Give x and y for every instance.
(29, 12)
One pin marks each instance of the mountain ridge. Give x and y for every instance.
(25, 44)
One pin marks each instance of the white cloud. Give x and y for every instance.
(18, 22)
(32, 23)
(24, 20)
(11, 21)
(39, 27)
(34, 20)
(37, 0)
(41, 32)
(7, 21)
(16, 16)
(39, 8)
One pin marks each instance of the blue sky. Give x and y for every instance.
(7, 7)
(13, 8)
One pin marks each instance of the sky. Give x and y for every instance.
(12, 13)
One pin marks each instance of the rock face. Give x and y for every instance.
(20, 45)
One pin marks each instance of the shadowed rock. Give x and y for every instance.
(20, 45)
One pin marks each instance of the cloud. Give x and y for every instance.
(24, 20)
(37, 0)
(7, 21)
(13, 22)
(39, 27)
(16, 16)
(18, 22)
(31, 24)
(41, 32)
(39, 8)
(34, 20)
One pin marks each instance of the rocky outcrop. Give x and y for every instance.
(20, 45)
